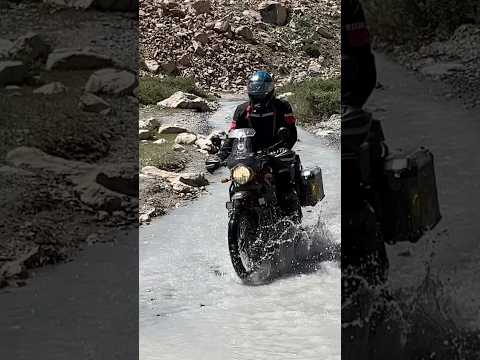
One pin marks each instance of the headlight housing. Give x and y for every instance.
(242, 174)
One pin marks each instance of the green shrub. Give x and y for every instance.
(162, 156)
(154, 89)
(314, 99)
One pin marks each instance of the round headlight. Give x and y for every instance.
(242, 175)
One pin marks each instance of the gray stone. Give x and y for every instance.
(12, 72)
(272, 12)
(181, 100)
(51, 89)
(95, 104)
(172, 129)
(112, 82)
(77, 59)
(185, 139)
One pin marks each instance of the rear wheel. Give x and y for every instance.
(243, 244)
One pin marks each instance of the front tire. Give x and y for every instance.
(242, 239)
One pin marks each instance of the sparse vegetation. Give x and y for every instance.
(314, 99)
(154, 89)
(162, 155)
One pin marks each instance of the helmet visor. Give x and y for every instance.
(259, 89)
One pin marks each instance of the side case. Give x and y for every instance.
(312, 187)
(410, 201)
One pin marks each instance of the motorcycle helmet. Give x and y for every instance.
(260, 87)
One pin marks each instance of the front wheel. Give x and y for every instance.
(243, 243)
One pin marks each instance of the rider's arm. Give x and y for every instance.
(291, 124)
(236, 123)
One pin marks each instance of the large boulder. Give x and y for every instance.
(78, 59)
(150, 123)
(29, 48)
(272, 12)
(144, 134)
(112, 82)
(181, 100)
(94, 104)
(185, 139)
(172, 129)
(121, 178)
(12, 72)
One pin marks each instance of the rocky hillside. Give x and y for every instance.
(221, 42)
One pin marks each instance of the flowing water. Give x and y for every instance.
(193, 306)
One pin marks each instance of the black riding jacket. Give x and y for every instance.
(358, 63)
(266, 121)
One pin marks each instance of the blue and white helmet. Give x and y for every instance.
(260, 87)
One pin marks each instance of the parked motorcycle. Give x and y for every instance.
(255, 215)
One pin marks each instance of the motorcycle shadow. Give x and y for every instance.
(300, 250)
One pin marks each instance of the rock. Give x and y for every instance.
(152, 66)
(255, 15)
(146, 134)
(144, 218)
(117, 5)
(112, 82)
(181, 100)
(185, 139)
(441, 69)
(17, 266)
(272, 12)
(285, 95)
(12, 72)
(204, 144)
(202, 38)
(121, 178)
(169, 68)
(95, 104)
(185, 60)
(201, 7)
(180, 187)
(5, 46)
(151, 123)
(29, 48)
(193, 179)
(244, 32)
(51, 89)
(77, 4)
(156, 172)
(324, 32)
(172, 129)
(77, 59)
(98, 197)
(222, 27)
(160, 142)
(35, 159)
(178, 147)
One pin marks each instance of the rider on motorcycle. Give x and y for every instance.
(363, 150)
(266, 115)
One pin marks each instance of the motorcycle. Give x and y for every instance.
(255, 215)
(386, 197)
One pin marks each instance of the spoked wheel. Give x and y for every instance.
(242, 238)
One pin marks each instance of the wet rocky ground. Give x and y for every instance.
(68, 171)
